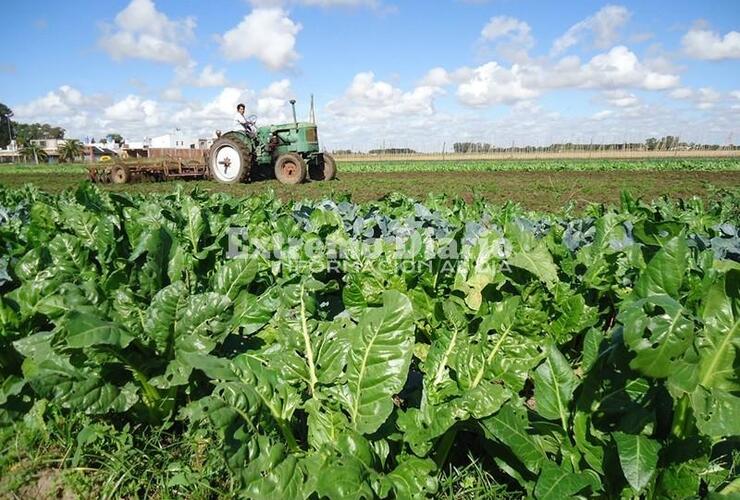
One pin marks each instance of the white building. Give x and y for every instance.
(173, 140)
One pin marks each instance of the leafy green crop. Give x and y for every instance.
(422, 164)
(356, 351)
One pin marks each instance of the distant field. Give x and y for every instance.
(544, 155)
(466, 163)
(548, 165)
(542, 185)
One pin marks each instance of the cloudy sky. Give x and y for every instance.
(399, 73)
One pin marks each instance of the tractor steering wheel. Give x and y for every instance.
(251, 126)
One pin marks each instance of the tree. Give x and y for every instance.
(651, 143)
(34, 151)
(117, 138)
(6, 125)
(27, 132)
(71, 150)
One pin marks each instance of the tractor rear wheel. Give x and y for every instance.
(120, 174)
(230, 161)
(324, 169)
(290, 169)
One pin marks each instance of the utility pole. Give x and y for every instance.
(312, 113)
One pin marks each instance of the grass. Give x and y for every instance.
(60, 455)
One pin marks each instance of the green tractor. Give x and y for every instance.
(290, 151)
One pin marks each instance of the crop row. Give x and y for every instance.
(350, 351)
(541, 165)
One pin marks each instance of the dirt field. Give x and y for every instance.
(535, 190)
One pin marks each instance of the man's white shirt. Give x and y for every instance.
(241, 121)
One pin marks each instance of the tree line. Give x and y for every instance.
(25, 133)
(666, 143)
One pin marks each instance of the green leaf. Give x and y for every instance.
(95, 396)
(720, 341)
(346, 478)
(412, 478)
(554, 383)
(511, 427)
(638, 456)
(163, 313)
(86, 330)
(379, 360)
(665, 272)
(194, 223)
(556, 482)
(251, 312)
(717, 412)
(537, 261)
(233, 276)
(657, 330)
(205, 314)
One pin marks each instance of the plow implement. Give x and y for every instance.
(147, 170)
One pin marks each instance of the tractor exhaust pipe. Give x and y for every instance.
(292, 105)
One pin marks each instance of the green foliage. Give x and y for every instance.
(477, 347)
(70, 150)
(538, 165)
(26, 132)
(34, 153)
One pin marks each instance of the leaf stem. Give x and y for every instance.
(444, 446)
(313, 380)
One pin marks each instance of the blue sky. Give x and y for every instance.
(402, 73)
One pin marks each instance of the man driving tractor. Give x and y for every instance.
(242, 123)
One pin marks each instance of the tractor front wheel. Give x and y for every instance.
(290, 169)
(324, 168)
(230, 160)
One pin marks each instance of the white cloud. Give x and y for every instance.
(515, 37)
(140, 31)
(436, 77)
(494, 84)
(267, 34)
(707, 97)
(600, 115)
(317, 3)
(208, 77)
(702, 43)
(211, 78)
(279, 89)
(603, 27)
(704, 98)
(621, 98)
(507, 27)
(272, 105)
(620, 67)
(368, 99)
(617, 69)
(440, 77)
(134, 109)
(681, 93)
(55, 103)
(173, 94)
